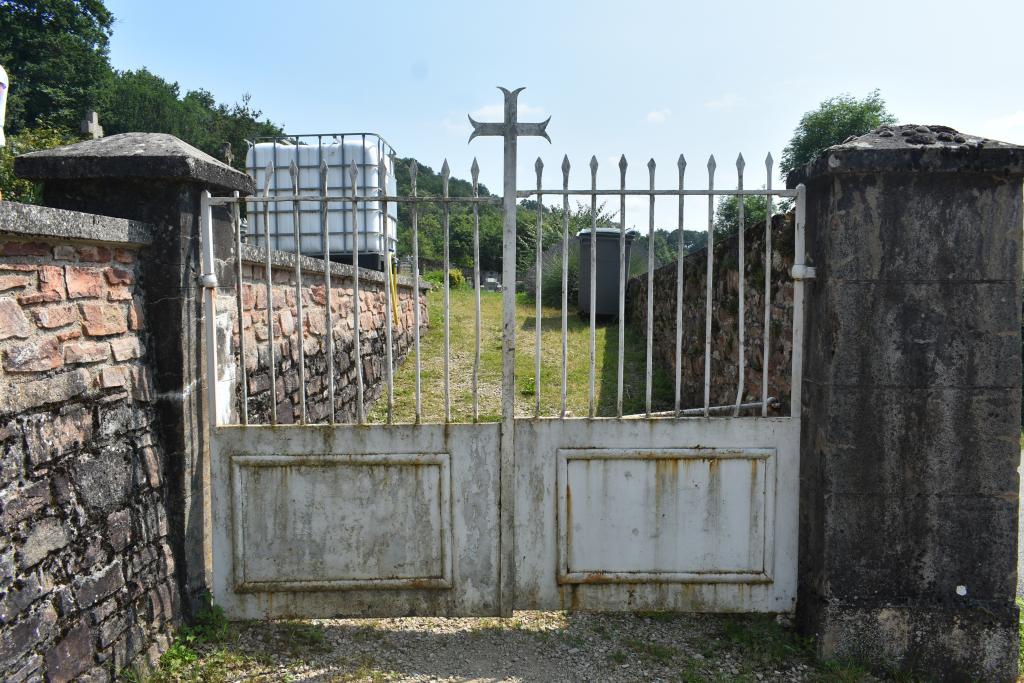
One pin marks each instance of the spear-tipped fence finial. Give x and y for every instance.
(740, 163)
(539, 167)
(445, 173)
(768, 161)
(681, 163)
(267, 177)
(293, 171)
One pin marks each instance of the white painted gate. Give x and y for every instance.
(690, 510)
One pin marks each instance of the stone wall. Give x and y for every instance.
(87, 577)
(286, 335)
(725, 311)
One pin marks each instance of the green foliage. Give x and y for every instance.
(143, 101)
(727, 214)
(833, 121)
(15, 189)
(455, 277)
(209, 625)
(55, 53)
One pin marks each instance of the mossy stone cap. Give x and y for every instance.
(913, 148)
(133, 155)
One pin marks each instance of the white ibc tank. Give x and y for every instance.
(339, 151)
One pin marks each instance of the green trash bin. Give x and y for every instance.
(607, 301)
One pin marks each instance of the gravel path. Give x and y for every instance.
(531, 646)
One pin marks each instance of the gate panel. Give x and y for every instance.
(663, 515)
(341, 521)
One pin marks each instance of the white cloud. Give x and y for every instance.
(658, 115)
(496, 112)
(1008, 128)
(726, 101)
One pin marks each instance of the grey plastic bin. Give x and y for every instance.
(607, 302)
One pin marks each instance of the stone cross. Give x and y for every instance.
(91, 125)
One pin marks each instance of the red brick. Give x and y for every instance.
(34, 356)
(142, 384)
(119, 276)
(116, 376)
(25, 249)
(126, 348)
(248, 297)
(14, 282)
(64, 252)
(86, 352)
(94, 254)
(124, 255)
(51, 279)
(73, 333)
(135, 317)
(56, 316)
(18, 267)
(103, 319)
(84, 282)
(13, 322)
(119, 293)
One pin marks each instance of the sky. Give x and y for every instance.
(641, 78)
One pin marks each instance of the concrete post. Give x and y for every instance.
(158, 179)
(911, 403)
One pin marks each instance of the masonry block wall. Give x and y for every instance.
(87, 577)
(313, 335)
(725, 317)
(909, 445)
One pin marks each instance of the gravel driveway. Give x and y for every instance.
(531, 646)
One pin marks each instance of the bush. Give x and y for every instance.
(13, 188)
(455, 277)
(551, 276)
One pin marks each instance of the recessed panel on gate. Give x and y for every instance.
(341, 522)
(672, 515)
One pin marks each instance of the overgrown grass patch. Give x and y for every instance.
(462, 315)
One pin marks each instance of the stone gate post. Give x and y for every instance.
(911, 403)
(157, 178)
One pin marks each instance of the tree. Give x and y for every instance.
(56, 54)
(727, 214)
(14, 189)
(831, 123)
(143, 101)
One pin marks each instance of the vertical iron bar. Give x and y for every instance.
(621, 354)
(766, 335)
(329, 314)
(680, 260)
(539, 252)
(413, 172)
(356, 301)
(592, 410)
(389, 358)
(209, 285)
(565, 280)
(799, 251)
(741, 313)
(649, 368)
(270, 290)
(707, 288)
(445, 208)
(475, 172)
(236, 223)
(293, 169)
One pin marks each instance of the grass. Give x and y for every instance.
(462, 326)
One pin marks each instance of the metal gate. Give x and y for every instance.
(689, 509)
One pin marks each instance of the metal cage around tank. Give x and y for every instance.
(289, 165)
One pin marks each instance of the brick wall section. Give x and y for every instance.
(286, 336)
(725, 312)
(86, 573)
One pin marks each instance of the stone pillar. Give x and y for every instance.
(157, 178)
(912, 400)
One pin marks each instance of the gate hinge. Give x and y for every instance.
(802, 273)
(208, 280)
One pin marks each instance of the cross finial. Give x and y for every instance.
(510, 127)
